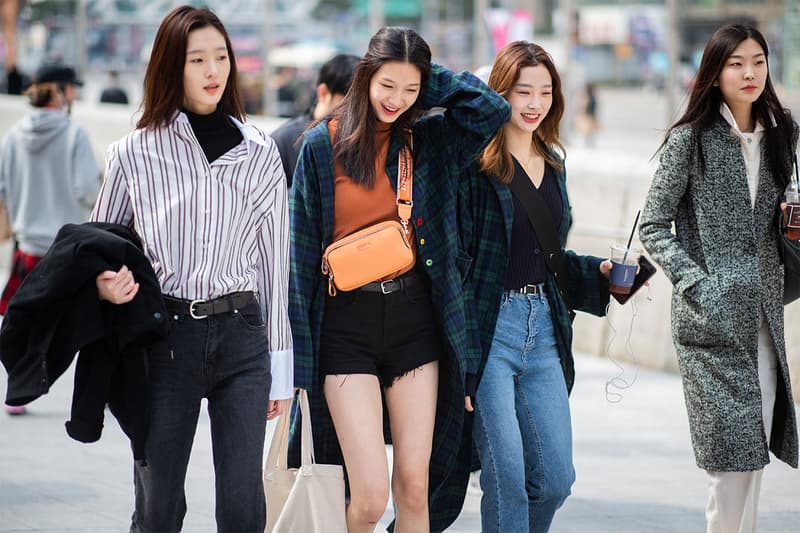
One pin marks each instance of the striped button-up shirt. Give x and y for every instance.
(208, 229)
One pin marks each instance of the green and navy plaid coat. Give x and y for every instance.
(444, 146)
(486, 214)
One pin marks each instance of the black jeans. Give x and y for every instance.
(225, 359)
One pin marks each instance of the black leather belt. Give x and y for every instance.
(391, 285)
(198, 309)
(530, 288)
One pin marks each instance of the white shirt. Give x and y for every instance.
(208, 229)
(751, 149)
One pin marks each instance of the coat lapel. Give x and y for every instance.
(507, 206)
(730, 174)
(320, 143)
(768, 194)
(566, 219)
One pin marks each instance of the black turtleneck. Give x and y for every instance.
(215, 132)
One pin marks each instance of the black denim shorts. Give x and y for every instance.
(386, 335)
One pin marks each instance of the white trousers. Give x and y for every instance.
(733, 496)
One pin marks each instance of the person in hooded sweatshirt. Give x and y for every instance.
(48, 174)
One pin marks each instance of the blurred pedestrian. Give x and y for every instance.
(289, 91)
(48, 174)
(113, 93)
(524, 312)
(722, 171)
(9, 11)
(213, 218)
(587, 117)
(402, 336)
(335, 77)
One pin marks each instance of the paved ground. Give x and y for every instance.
(635, 468)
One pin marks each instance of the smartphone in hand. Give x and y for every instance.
(646, 271)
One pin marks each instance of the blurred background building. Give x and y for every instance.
(280, 43)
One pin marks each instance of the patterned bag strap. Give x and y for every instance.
(405, 171)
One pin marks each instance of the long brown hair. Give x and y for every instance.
(163, 81)
(354, 141)
(706, 98)
(496, 158)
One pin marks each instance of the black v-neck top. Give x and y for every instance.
(215, 132)
(526, 263)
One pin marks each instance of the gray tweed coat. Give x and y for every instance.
(724, 264)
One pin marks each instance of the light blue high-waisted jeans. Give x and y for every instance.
(523, 431)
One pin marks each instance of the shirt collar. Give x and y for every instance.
(727, 114)
(249, 132)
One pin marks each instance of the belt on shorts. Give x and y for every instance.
(391, 285)
(198, 309)
(530, 288)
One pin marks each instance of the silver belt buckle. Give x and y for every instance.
(383, 287)
(530, 289)
(191, 310)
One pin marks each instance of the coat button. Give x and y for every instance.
(422, 242)
(428, 262)
(419, 221)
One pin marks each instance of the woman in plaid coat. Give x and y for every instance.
(341, 341)
(522, 424)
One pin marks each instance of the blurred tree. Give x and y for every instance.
(337, 5)
(37, 10)
(391, 8)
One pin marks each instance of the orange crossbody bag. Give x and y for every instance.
(376, 251)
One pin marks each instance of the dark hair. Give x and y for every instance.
(354, 141)
(163, 81)
(706, 98)
(511, 59)
(337, 73)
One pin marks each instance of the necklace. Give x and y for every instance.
(527, 163)
(535, 172)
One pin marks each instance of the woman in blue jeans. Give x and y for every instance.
(522, 314)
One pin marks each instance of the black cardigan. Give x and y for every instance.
(57, 312)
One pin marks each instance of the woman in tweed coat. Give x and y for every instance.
(425, 398)
(722, 170)
(522, 429)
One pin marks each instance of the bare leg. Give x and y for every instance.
(411, 401)
(354, 401)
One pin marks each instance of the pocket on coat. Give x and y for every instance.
(698, 318)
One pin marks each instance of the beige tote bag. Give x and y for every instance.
(305, 500)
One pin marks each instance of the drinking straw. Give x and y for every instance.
(630, 239)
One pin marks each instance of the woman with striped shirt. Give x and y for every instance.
(207, 196)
